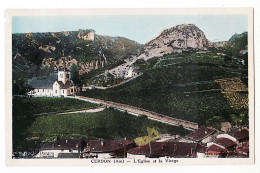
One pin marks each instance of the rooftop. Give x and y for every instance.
(201, 133)
(68, 84)
(216, 149)
(42, 83)
(107, 145)
(240, 133)
(173, 149)
(225, 142)
(65, 144)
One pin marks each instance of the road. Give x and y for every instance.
(139, 111)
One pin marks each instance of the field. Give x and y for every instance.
(107, 124)
(181, 86)
(37, 105)
(25, 110)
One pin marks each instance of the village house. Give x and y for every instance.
(242, 136)
(204, 134)
(222, 146)
(60, 85)
(107, 148)
(156, 149)
(63, 148)
(216, 151)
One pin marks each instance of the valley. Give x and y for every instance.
(113, 88)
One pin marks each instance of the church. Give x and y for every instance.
(64, 86)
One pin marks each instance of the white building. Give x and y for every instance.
(64, 86)
(63, 148)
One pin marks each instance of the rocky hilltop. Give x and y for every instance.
(176, 39)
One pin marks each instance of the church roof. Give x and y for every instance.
(68, 84)
(42, 83)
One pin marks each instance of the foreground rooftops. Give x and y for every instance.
(225, 142)
(172, 149)
(201, 133)
(240, 133)
(216, 149)
(62, 144)
(107, 145)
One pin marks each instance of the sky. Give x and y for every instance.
(138, 28)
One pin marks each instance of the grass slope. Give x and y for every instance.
(24, 110)
(29, 129)
(105, 124)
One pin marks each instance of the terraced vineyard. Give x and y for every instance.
(235, 92)
(182, 86)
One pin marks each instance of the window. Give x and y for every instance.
(56, 91)
(61, 75)
(38, 90)
(63, 91)
(67, 75)
(71, 90)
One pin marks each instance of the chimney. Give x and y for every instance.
(150, 147)
(101, 143)
(175, 148)
(191, 151)
(206, 132)
(66, 141)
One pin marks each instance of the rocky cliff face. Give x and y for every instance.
(83, 48)
(218, 44)
(176, 39)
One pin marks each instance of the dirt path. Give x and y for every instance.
(90, 110)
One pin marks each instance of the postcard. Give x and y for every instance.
(120, 87)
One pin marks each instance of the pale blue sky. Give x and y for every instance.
(138, 28)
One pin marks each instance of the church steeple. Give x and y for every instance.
(64, 74)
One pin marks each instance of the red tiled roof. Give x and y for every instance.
(216, 149)
(141, 150)
(107, 145)
(201, 148)
(240, 133)
(173, 149)
(201, 133)
(225, 142)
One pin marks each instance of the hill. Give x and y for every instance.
(177, 39)
(187, 85)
